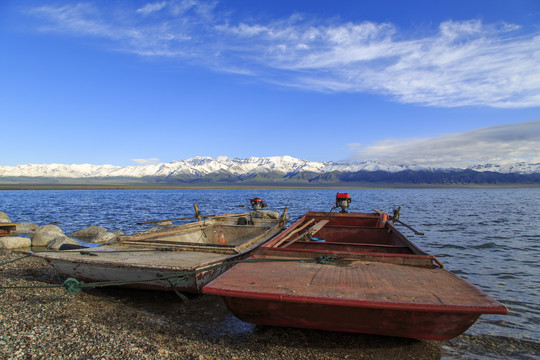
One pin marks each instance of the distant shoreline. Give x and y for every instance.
(248, 187)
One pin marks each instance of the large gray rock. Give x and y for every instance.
(88, 233)
(4, 218)
(59, 241)
(45, 234)
(25, 228)
(48, 228)
(43, 238)
(14, 242)
(104, 237)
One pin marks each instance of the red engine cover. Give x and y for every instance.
(341, 196)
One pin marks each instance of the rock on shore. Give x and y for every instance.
(58, 241)
(4, 218)
(14, 242)
(88, 233)
(52, 236)
(104, 237)
(45, 234)
(25, 228)
(118, 323)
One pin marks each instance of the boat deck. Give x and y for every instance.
(354, 283)
(133, 257)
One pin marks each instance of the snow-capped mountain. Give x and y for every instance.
(224, 167)
(199, 166)
(517, 168)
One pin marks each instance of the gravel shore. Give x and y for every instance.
(119, 323)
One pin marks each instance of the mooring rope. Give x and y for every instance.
(14, 260)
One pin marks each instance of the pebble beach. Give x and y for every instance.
(40, 322)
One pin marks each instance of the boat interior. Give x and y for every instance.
(228, 234)
(351, 232)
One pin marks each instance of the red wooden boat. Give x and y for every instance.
(378, 282)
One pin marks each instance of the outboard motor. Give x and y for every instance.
(257, 203)
(343, 201)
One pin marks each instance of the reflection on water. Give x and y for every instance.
(490, 237)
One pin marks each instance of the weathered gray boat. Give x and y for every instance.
(184, 257)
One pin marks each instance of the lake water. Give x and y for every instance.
(490, 237)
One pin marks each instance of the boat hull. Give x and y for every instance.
(137, 277)
(416, 324)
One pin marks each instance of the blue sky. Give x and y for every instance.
(127, 82)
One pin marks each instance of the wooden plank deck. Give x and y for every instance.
(355, 283)
(175, 260)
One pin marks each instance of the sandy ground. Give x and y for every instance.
(119, 323)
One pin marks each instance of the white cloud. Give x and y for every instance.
(497, 144)
(460, 63)
(151, 7)
(145, 161)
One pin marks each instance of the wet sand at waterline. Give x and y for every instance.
(120, 323)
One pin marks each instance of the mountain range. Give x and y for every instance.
(276, 170)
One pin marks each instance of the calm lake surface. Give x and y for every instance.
(490, 237)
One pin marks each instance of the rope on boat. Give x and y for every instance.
(72, 286)
(173, 285)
